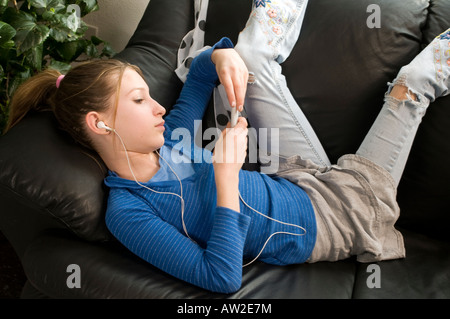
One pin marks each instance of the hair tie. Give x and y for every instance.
(58, 81)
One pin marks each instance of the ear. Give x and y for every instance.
(92, 118)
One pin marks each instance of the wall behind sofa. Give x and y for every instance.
(116, 20)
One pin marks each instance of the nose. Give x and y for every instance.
(158, 109)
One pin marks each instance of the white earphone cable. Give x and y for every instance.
(276, 233)
(148, 188)
(182, 203)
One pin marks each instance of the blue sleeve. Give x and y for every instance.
(218, 267)
(197, 90)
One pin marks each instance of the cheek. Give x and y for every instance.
(130, 120)
(137, 129)
(143, 137)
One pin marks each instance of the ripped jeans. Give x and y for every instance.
(390, 138)
(267, 40)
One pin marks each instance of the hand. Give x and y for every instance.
(230, 151)
(233, 75)
(229, 155)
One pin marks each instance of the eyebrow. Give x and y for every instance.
(137, 89)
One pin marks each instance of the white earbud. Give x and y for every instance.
(102, 124)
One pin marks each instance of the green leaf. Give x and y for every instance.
(7, 32)
(91, 51)
(17, 19)
(59, 34)
(55, 5)
(69, 51)
(30, 36)
(108, 51)
(38, 3)
(34, 59)
(95, 40)
(82, 29)
(48, 15)
(61, 29)
(3, 6)
(29, 33)
(9, 15)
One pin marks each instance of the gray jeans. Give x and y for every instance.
(266, 41)
(389, 141)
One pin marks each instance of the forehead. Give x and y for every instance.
(131, 79)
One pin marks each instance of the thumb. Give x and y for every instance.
(242, 122)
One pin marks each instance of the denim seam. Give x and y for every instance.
(297, 123)
(275, 46)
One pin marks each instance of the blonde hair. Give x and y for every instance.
(86, 87)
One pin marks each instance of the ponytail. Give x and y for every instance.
(87, 87)
(35, 94)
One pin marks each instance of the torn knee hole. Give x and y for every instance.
(401, 92)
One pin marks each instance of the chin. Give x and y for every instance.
(161, 143)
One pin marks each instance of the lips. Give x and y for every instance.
(160, 125)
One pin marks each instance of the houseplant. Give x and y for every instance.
(37, 34)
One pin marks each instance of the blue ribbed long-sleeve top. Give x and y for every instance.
(150, 224)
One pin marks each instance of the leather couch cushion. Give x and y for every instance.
(126, 276)
(55, 178)
(423, 275)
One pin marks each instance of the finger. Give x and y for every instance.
(240, 90)
(229, 90)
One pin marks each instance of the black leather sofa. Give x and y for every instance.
(52, 196)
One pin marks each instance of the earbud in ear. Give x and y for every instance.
(102, 124)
